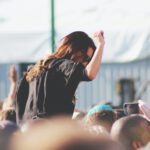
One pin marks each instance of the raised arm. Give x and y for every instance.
(93, 67)
(13, 82)
(9, 100)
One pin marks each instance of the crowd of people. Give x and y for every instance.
(40, 113)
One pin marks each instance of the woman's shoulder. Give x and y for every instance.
(65, 65)
(61, 62)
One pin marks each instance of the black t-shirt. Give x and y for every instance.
(52, 92)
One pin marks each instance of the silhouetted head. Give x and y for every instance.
(7, 128)
(75, 43)
(104, 118)
(60, 134)
(132, 131)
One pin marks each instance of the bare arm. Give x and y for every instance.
(9, 101)
(13, 82)
(93, 67)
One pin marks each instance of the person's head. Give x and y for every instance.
(132, 131)
(27, 125)
(7, 128)
(104, 118)
(76, 46)
(8, 114)
(60, 134)
(98, 108)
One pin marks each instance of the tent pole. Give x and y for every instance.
(52, 26)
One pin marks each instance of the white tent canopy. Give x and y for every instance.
(25, 27)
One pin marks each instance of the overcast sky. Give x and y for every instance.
(89, 15)
(25, 25)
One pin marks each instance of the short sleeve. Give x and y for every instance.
(81, 73)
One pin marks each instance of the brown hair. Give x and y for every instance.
(104, 118)
(72, 43)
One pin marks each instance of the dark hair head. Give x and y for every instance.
(9, 114)
(72, 43)
(77, 41)
(103, 118)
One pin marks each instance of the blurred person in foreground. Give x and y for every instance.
(7, 129)
(48, 87)
(133, 131)
(60, 134)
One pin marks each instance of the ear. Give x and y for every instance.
(136, 145)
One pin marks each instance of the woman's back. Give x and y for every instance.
(51, 92)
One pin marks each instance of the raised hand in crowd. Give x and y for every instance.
(144, 109)
(9, 100)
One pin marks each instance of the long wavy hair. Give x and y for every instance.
(72, 43)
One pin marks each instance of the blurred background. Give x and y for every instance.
(29, 29)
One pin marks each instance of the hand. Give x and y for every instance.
(145, 110)
(13, 74)
(100, 37)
